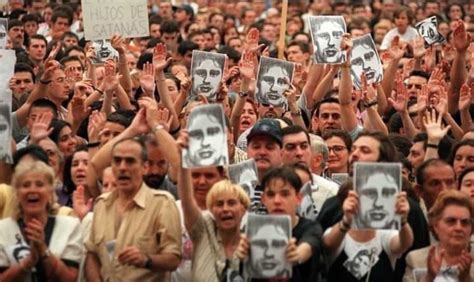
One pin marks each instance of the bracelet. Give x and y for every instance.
(404, 222)
(93, 145)
(296, 114)
(243, 94)
(42, 81)
(370, 104)
(344, 227)
(434, 146)
(344, 66)
(158, 127)
(98, 90)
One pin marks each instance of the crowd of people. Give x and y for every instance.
(106, 178)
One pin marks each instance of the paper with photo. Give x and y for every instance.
(3, 33)
(5, 125)
(102, 19)
(361, 262)
(268, 234)
(307, 207)
(273, 79)
(327, 34)
(207, 69)
(207, 138)
(246, 174)
(7, 66)
(365, 59)
(104, 51)
(428, 29)
(378, 185)
(340, 178)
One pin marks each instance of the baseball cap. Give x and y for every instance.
(187, 8)
(268, 127)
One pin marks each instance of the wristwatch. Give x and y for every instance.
(148, 263)
(46, 254)
(243, 94)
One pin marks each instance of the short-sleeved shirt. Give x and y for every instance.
(151, 225)
(209, 257)
(62, 235)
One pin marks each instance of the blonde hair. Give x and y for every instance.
(40, 167)
(226, 187)
(447, 198)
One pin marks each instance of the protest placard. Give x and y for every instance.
(102, 19)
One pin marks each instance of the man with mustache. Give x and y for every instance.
(264, 143)
(156, 169)
(139, 254)
(16, 33)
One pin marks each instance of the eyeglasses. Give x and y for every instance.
(336, 149)
(451, 221)
(417, 86)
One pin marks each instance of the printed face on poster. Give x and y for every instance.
(103, 51)
(3, 32)
(244, 173)
(207, 70)
(365, 59)
(273, 79)
(377, 185)
(104, 18)
(207, 138)
(327, 33)
(428, 29)
(268, 236)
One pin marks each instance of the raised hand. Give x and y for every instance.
(434, 127)
(418, 47)
(251, 40)
(396, 49)
(80, 205)
(422, 99)
(247, 65)
(368, 91)
(464, 265)
(50, 66)
(111, 79)
(300, 76)
(40, 127)
(118, 43)
(54, 52)
(147, 78)
(464, 97)
(78, 108)
(159, 57)
(461, 38)
(96, 123)
(185, 82)
(401, 97)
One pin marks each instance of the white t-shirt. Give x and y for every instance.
(409, 35)
(65, 242)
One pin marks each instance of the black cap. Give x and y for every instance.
(268, 127)
(187, 8)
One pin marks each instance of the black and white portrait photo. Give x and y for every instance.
(377, 185)
(207, 70)
(207, 138)
(361, 262)
(340, 178)
(104, 51)
(5, 132)
(245, 174)
(3, 32)
(326, 34)
(428, 29)
(268, 237)
(307, 208)
(365, 59)
(273, 79)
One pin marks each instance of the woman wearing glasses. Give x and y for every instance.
(450, 219)
(339, 146)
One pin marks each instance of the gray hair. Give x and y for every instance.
(319, 146)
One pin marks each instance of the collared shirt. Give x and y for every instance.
(151, 225)
(209, 254)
